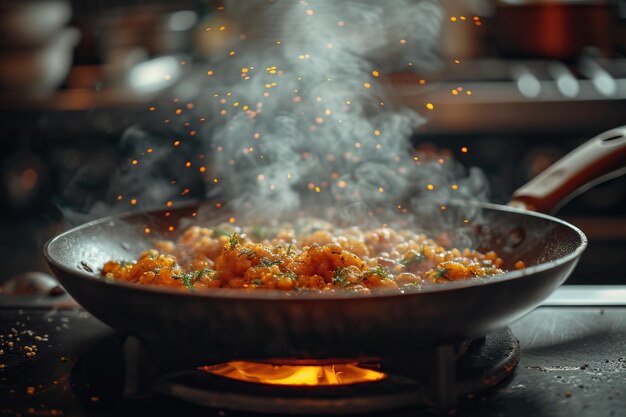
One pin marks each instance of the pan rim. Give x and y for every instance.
(283, 296)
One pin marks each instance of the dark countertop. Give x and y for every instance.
(573, 362)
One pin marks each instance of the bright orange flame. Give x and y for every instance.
(320, 375)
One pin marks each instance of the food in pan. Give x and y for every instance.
(311, 256)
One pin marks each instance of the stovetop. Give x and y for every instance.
(573, 362)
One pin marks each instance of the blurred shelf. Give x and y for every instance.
(487, 96)
(74, 100)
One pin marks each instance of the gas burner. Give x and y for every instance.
(434, 378)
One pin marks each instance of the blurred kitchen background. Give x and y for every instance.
(521, 83)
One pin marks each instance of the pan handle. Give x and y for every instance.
(595, 161)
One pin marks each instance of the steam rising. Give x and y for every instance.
(298, 107)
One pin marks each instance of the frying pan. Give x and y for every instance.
(213, 326)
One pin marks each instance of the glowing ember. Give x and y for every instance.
(318, 375)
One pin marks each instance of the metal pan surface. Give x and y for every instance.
(223, 324)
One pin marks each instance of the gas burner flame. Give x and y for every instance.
(295, 375)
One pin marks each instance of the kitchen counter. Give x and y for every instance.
(573, 362)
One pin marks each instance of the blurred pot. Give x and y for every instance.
(26, 22)
(38, 70)
(558, 29)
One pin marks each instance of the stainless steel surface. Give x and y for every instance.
(588, 295)
(519, 95)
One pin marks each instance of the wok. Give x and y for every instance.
(213, 326)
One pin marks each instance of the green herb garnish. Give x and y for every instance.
(340, 277)
(187, 278)
(412, 258)
(257, 282)
(268, 262)
(249, 253)
(289, 248)
(377, 270)
(210, 273)
(234, 240)
(440, 273)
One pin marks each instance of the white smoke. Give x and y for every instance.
(298, 107)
